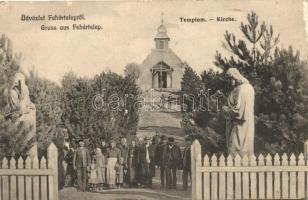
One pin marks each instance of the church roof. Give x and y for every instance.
(162, 55)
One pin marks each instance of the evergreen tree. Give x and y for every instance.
(76, 105)
(190, 89)
(100, 108)
(45, 95)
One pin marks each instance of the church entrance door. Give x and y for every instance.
(162, 80)
(161, 73)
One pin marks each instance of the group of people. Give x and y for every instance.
(128, 165)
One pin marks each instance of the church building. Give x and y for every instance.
(162, 69)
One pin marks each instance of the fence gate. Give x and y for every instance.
(262, 177)
(30, 179)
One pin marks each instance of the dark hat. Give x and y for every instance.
(170, 139)
(80, 140)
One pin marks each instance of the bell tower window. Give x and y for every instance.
(161, 44)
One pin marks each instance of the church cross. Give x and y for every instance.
(162, 18)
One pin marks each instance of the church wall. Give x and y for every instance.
(168, 80)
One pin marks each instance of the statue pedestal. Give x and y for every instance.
(29, 120)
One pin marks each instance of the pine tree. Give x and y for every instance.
(45, 95)
(190, 89)
(253, 52)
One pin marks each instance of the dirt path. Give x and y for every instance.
(125, 194)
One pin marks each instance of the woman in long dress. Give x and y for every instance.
(240, 115)
(101, 162)
(113, 156)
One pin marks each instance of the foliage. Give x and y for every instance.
(12, 138)
(99, 108)
(76, 104)
(202, 124)
(190, 88)
(132, 70)
(45, 95)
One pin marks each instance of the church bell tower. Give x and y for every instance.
(162, 39)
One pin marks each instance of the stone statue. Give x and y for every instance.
(239, 115)
(22, 110)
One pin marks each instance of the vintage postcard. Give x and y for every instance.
(168, 100)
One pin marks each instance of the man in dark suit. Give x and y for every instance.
(124, 154)
(159, 159)
(81, 162)
(171, 161)
(146, 159)
(186, 163)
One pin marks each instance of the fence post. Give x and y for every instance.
(196, 177)
(306, 149)
(52, 158)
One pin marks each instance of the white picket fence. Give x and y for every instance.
(30, 179)
(269, 177)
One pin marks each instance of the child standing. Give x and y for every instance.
(119, 172)
(93, 180)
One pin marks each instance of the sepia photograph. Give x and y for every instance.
(154, 100)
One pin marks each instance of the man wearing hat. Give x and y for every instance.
(171, 162)
(81, 162)
(159, 158)
(156, 137)
(146, 159)
(186, 162)
(124, 154)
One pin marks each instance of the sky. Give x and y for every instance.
(130, 27)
